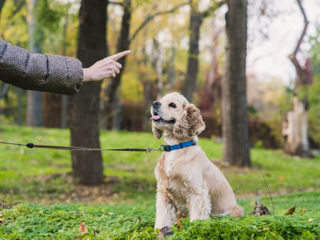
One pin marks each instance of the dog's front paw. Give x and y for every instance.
(164, 232)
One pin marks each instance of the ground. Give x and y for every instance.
(40, 200)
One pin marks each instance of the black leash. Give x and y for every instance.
(166, 148)
(73, 148)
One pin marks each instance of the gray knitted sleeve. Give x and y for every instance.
(47, 73)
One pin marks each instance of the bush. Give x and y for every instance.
(62, 221)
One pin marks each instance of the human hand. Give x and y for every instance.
(107, 67)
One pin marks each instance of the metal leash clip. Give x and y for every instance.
(148, 149)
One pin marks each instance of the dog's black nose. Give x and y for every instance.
(156, 104)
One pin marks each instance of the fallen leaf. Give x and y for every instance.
(302, 211)
(291, 210)
(83, 229)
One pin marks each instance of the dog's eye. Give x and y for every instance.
(172, 105)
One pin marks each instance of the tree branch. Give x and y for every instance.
(19, 6)
(151, 17)
(293, 56)
(304, 30)
(212, 9)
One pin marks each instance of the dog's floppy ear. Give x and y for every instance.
(156, 131)
(194, 120)
(190, 124)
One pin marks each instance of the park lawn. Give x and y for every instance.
(135, 221)
(38, 195)
(40, 174)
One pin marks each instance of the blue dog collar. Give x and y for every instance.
(168, 148)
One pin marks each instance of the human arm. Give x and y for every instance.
(51, 73)
(32, 71)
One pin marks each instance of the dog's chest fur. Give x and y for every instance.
(169, 163)
(176, 186)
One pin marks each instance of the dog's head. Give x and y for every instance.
(175, 116)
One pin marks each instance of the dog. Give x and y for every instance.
(187, 181)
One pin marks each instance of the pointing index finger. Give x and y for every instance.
(119, 55)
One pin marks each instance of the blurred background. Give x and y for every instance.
(159, 35)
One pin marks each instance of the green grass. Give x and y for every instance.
(21, 169)
(135, 221)
(35, 182)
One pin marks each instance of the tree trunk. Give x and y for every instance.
(19, 96)
(234, 102)
(34, 98)
(109, 104)
(122, 45)
(84, 107)
(52, 110)
(64, 111)
(171, 71)
(158, 67)
(193, 56)
(64, 100)
(147, 93)
(295, 129)
(117, 113)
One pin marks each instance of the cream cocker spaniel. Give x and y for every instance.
(186, 179)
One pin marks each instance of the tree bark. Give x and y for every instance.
(234, 102)
(193, 56)
(19, 96)
(51, 110)
(84, 107)
(34, 98)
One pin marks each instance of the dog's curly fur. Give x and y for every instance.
(186, 179)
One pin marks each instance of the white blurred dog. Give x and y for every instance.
(186, 179)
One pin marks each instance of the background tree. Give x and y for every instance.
(34, 106)
(84, 107)
(313, 92)
(295, 124)
(195, 22)
(52, 17)
(234, 102)
(124, 40)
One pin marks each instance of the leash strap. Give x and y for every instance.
(166, 148)
(73, 148)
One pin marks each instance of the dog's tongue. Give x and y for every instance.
(155, 117)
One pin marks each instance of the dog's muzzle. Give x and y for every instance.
(156, 118)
